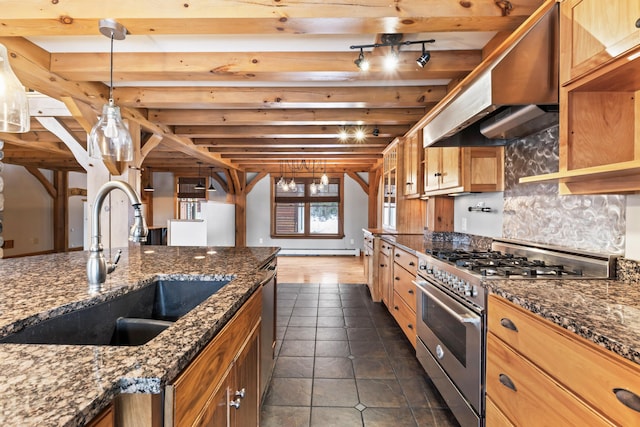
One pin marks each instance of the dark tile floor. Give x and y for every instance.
(343, 361)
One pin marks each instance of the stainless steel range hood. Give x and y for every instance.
(522, 76)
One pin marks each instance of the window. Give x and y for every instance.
(298, 213)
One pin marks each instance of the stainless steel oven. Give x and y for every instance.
(451, 334)
(451, 309)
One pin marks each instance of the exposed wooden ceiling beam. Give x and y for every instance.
(278, 97)
(257, 66)
(319, 116)
(33, 17)
(260, 132)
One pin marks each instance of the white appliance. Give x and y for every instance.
(216, 228)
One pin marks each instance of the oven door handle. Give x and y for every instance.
(462, 318)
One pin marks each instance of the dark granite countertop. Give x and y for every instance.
(606, 312)
(60, 385)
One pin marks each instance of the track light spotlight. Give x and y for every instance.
(393, 41)
(376, 131)
(362, 62)
(424, 58)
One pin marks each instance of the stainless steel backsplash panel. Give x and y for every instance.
(535, 212)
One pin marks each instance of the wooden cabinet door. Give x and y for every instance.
(247, 387)
(432, 170)
(384, 277)
(450, 167)
(217, 412)
(595, 31)
(411, 165)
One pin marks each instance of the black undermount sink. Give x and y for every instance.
(127, 320)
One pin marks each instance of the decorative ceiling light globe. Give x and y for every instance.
(109, 139)
(292, 185)
(14, 106)
(324, 180)
(313, 188)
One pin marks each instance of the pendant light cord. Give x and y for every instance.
(111, 70)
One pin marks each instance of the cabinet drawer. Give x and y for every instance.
(405, 317)
(581, 366)
(385, 248)
(520, 390)
(403, 285)
(407, 260)
(494, 416)
(200, 380)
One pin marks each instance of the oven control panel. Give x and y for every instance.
(457, 281)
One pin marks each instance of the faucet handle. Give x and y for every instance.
(117, 258)
(112, 266)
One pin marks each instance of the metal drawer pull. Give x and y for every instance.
(395, 307)
(411, 291)
(397, 278)
(410, 326)
(411, 263)
(241, 393)
(638, 23)
(628, 398)
(397, 255)
(235, 403)
(507, 323)
(506, 381)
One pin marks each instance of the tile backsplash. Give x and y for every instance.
(536, 212)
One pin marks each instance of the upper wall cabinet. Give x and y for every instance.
(599, 98)
(389, 177)
(595, 31)
(412, 150)
(449, 170)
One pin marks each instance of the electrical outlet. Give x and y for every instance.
(463, 224)
(261, 240)
(351, 242)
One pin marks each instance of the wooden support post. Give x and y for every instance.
(60, 210)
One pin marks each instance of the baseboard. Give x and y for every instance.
(319, 252)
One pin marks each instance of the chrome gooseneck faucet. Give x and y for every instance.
(97, 266)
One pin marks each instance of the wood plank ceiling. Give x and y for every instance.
(242, 85)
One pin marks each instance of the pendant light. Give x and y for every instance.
(149, 188)
(200, 185)
(211, 187)
(14, 106)
(313, 187)
(109, 139)
(324, 179)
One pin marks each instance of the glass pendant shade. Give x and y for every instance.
(14, 106)
(324, 179)
(110, 139)
(313, 188)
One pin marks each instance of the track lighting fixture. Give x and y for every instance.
(362, 62)
(110, 139)
(424, 58)
(376, 131)
(393, 41)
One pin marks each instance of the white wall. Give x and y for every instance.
(632, 250)
(487, 224)
(259, 219)
(76, 210)
(163, 198)
(27, 216)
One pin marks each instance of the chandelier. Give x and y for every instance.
(296, 166)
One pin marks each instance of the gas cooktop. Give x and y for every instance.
(516, 259)
(498, 263)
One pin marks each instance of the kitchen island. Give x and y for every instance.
(65, 385)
